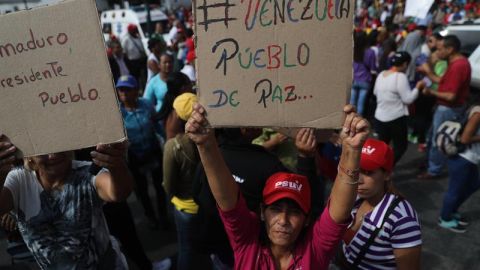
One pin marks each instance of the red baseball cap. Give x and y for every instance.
(283, 185)
(376, 154)
(132, 28)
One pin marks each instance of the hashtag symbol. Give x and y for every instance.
(206, 21)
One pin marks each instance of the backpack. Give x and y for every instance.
(447, 137)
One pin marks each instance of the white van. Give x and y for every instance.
(115, 22)
(475, 64)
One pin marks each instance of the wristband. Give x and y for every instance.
(354, 174)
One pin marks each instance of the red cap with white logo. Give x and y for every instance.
(283, 185)
(376, 154)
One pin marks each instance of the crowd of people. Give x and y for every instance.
(247, 198)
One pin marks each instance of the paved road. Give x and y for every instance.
(442, 249)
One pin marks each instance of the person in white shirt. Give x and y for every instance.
(133, 47)
(393, 94)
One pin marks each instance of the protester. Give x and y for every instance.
(288, 237)
(463, 175)
(251, 165)
(424, 105)
(385, 231)
(453, 90)
(144, 152)
(157, 86)
(133, 47)
(393, 93)
(364, 66)
(58, 205)
(156, 47)
(177, 84)
(179, 166)
(119, 63)
(413, 45)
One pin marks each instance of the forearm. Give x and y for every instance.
(344, 190)
(473, 139)
(270, 145)
(121, 183)
(222, 184)
(447, 96)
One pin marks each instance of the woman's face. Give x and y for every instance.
(284, 220)
(127, 95)
(52, 164)
(372, 183)
(166, 64)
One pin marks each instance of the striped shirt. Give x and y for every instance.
(401, 230)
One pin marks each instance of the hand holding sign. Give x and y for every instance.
(7, 155)
(306, 142)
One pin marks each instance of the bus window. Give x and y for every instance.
(107, 28)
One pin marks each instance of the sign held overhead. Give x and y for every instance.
(277, 63)
(55, 83)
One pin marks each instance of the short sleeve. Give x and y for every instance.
(475, 109)
(149, 93)
(94, 177)
(12, 183)
(453, 80)
(406, 230)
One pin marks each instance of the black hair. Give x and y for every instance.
(400, 58)
(176, 81)
(389, 46)
(452, 41)
(437, 36)
(169, 55)
(189, 32)
(359, 46)
(154, 41)
(372, 38)
(421, 27)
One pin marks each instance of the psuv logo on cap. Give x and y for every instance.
(290, 185)
(368, 150)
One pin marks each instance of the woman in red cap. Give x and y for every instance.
(385, 231)
(282, 237)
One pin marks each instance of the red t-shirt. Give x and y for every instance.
(456, 80)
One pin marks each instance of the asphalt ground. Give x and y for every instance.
(441, 249)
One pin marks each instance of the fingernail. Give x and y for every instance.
(93, 153)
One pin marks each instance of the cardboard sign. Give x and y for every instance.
(418, 8)
(56, 87)
(274, 63)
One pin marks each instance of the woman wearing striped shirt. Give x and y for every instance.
(378, 211)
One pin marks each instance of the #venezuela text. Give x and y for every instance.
(261, 14)
(49, 70)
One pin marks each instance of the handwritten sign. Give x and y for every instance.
(280, 63)
(55, 83)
